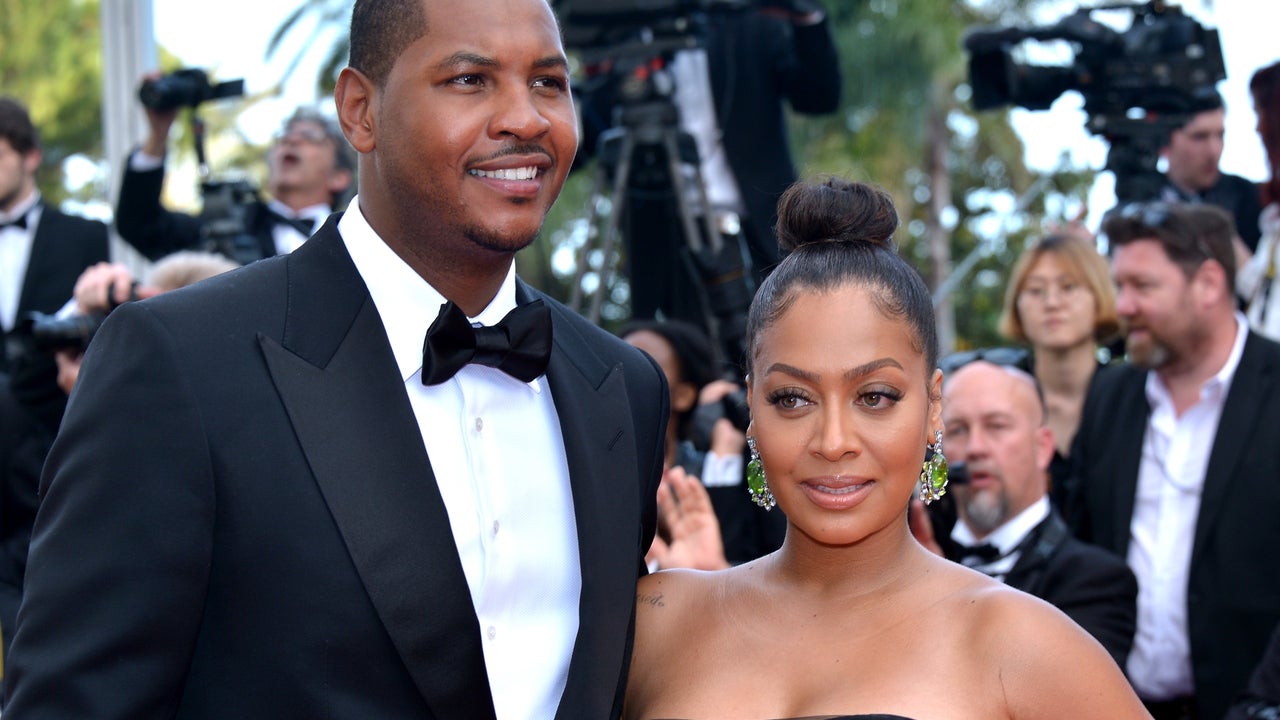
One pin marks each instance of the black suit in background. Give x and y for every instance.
(758, 65)
(1093, 587)
(156, 231)
(1261, 699)
(256, 532)
(1233, 595)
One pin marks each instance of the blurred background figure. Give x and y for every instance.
(103, 287)
(1193, 175)
(42, 252)
(1255, 283)
(706, 437)
(1060, 302)
(311, 169)
(994, 423)
(1176, 458)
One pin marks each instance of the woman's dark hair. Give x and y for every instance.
(1264, 86)
(841, 233)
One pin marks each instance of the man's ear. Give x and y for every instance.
(356, 98)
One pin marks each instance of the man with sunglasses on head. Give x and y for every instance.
(1177, 458)
(310, 169)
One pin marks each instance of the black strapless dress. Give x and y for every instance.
(851, 717)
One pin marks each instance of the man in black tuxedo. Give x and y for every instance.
(994, 423)
(1177, 457)
(42, 252)
(270, 500)
(310, 169)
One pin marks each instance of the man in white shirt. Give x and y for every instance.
(379, 476)
(1177, 458)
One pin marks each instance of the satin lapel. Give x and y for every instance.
(1250, 391)
(1130, 425)
(596, 421)
(338, 380)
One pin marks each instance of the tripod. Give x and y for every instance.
(651, 165)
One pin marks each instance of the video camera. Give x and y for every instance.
(1138, 85)
(188, 87)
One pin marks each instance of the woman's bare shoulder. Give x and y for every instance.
(1045, 660)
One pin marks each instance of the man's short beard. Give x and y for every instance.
(985, 510)
(1152, 355)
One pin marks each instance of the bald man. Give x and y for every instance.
(1006, 528)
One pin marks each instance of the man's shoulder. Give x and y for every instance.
(63, 220)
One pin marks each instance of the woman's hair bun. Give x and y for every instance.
(835, 210)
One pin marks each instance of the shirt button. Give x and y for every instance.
(479, 424)
(495, 528)
(492, 633)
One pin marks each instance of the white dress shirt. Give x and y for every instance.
(1175, 454)
(15, 254)
(498, 457)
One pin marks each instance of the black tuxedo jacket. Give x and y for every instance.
(155, 231)
(239, 518)
(1233, 594)
(1093, 587)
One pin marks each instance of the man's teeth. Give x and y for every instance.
(524, 173)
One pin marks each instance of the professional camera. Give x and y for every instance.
(188, 87)
(226, 221)
(1138, 85)
(49, 333)
(46, 333)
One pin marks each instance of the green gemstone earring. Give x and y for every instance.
(933, 476)
(756, 481)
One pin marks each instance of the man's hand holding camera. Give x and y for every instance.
(100, 289)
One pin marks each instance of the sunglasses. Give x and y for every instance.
(1156, 215)
(1009, 356)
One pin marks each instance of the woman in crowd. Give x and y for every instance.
(852, 617)
(1255, 282)
(1061, 303)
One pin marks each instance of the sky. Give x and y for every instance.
(1246, 29)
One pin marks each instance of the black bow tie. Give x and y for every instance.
(18, 222)
(983, 552)
(303, 225)
(519, 345)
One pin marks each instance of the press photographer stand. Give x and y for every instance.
(646, 142)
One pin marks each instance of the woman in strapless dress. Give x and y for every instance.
(851, 615)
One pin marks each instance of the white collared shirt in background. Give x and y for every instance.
(1005, 538)
(15, 255)
(1175, 454)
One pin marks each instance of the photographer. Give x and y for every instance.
(105, 286)
(1192, 173)
(310, 170)
(730, 92)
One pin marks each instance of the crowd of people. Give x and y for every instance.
(374, 473)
